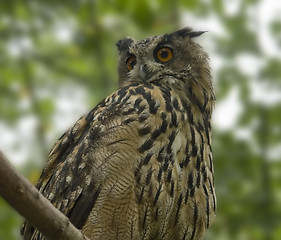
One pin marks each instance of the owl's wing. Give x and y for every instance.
(67, 179)
(57, 176)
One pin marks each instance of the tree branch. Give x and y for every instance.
(32, 205)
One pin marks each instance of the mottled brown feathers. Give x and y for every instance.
(139, 165)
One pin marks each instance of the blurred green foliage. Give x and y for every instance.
(54, 51)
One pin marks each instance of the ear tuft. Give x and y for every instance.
(124, 44)
(188, 32)
(196, 34)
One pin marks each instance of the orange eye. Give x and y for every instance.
(131, 62)
(164, 54)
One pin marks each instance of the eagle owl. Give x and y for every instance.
(139, 165)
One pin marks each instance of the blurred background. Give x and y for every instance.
(58, 60)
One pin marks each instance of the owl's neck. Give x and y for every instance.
(192, 91)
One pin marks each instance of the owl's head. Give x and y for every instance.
(166, 57)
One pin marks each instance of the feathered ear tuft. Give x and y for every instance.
(196, 34)
(124, 44)
(188, 32)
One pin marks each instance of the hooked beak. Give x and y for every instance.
(143, 72)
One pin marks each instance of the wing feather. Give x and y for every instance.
(65, 174)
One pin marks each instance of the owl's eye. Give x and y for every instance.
(164, 54)
(131, 62)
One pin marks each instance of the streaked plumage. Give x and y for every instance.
(139, 165)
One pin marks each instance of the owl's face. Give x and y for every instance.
(165, 57)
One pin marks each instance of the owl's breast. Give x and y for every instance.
(153, 159)
(174, 179)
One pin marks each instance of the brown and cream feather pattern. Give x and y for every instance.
(139, 165)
